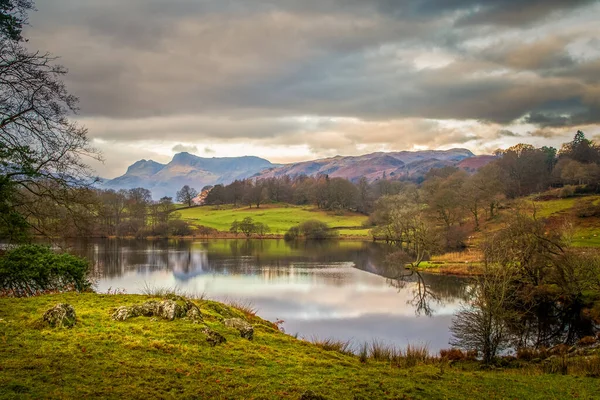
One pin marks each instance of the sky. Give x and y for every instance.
(293, 80)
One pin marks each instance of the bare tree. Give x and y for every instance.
(186, 195)
(42, 152)
(481, 324)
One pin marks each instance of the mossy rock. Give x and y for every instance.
(169, 309)
(61, 316)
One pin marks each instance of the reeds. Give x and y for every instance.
(379, 351)
(245, 306)
(164, 291)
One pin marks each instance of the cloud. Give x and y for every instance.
(181, 148)
(327, 76)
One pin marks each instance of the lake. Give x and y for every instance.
(338, 289)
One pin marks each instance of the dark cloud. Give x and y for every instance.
(232, 69)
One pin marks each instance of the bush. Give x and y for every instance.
(312, 229)
(292, 234)
(248, 227)
(453, 354)
(32, 269)
(567, 191)
(179, 227)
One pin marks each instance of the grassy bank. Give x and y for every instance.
(279, 218)
(148, 358)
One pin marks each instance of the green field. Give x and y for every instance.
(279, 218)
(146, 358)
(585, 231)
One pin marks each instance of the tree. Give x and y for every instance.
(247, 226)
(187, 195)
(364, 199)
(13, 15)
(481, 325)
(138, 201)
(41, 151)
(581, 149)
(525, 170)
(261, 229)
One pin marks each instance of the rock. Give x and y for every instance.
(148, 309)
(310, 395)
(213, 338)
(61, 315)
(166, 309)
(123, 313)
(193, 313)
(246, 330)
(169, 310)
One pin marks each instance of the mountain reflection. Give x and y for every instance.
(341, 288)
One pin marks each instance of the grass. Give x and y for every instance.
(554, 207)
(149, 358)
(279, 217)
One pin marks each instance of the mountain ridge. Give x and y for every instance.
(198, 172)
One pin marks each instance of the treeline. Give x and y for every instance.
(321, 191)
(88, 212)
(440, 213)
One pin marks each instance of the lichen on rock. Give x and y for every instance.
(169, 309)
(246, 330)
(61, 315)
(213, 338)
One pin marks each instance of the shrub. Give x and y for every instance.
(567, 191)
(453, 354)
(179, 227)
(311, 229)
(261, 229)
(32, 269)
(317, 230)
(292, 234)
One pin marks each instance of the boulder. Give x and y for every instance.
(148, 309)
(169, 310)
(166, 309)
(213, 338)
(61, 315)
(193, 313)
(246, 330)
(123, 313)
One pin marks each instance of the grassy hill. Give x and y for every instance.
(153, 358)
(279, 217)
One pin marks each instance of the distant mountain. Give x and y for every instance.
(187, 169)
(403, 164)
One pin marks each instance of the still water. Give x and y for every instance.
(335, 289)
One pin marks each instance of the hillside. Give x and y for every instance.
(186, 169)
(154, 358)
(279, 217)
(403, 164)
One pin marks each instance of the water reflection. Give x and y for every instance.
(339, 289)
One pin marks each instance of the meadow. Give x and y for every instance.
(153, 358)
(279, 218)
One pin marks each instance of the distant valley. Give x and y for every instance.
(188, 169)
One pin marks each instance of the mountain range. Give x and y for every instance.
(188, 169)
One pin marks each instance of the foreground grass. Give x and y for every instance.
(279, 218)
(146, 358)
